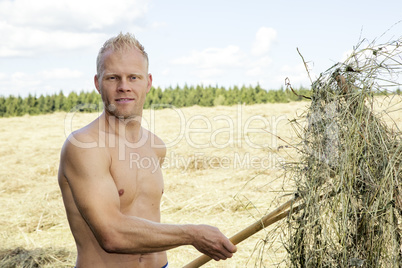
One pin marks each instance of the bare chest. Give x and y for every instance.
(138, 179)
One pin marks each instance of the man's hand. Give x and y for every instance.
(211, 242)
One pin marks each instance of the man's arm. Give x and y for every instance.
(96, 197)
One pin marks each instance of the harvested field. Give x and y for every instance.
(222, 168)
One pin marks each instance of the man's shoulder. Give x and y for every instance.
(157, 144)
(84, 146)
(86, 137)
(156, 141)
(81, 155)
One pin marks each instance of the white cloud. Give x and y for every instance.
(73, 15)
(218, 63)
(259, 66)
(205, 74)
(19, 83)
(263, 40)
(212, 63)
(297, 75)
(19, 80)
(60, 73)
(256, 71)
(31, 27)
(7, 52)
(213, 57)
(166, 71)
(24, 41)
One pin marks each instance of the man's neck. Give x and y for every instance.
(128, 129)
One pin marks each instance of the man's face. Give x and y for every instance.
(124, 83)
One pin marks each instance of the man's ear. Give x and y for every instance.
(149, 82)
(96, 81)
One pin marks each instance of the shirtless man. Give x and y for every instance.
(113, 204)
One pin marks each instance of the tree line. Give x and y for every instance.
(156, 99)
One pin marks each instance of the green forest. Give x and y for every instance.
(156, 99)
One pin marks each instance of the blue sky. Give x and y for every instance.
(47, 46)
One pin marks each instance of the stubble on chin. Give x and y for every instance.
(112, 110)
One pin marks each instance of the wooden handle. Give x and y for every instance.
(264, 222)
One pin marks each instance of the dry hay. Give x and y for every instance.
(349, 175)
(39, 257)
(230, 196)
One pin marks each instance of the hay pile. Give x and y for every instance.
(20, 257)
(349, 175)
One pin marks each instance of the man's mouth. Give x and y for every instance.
(123, 100)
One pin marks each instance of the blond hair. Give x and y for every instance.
(119, 43)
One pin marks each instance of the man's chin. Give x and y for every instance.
(123, 115)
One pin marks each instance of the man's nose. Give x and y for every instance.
(123, 85)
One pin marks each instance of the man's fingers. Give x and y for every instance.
(219, 256)
(213, 243)
(229, 246)
(225, 251)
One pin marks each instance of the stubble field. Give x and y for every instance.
(224, 167)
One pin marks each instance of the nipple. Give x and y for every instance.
(121, 192)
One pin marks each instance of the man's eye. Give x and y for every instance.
(133, 77)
